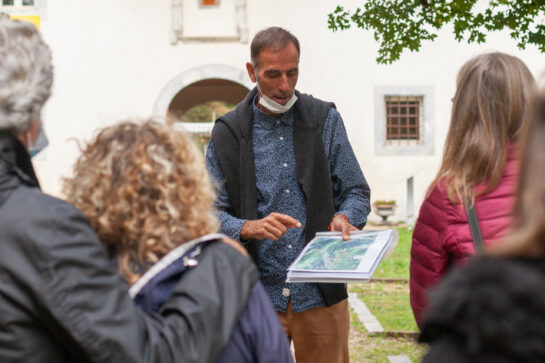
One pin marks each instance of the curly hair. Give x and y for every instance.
(26, 74)
(145, 190)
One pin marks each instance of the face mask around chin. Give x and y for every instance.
(274, 106)
(39, 144)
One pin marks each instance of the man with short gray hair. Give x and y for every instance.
(286, 170)
(60, 301)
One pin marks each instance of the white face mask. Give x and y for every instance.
(272, 105)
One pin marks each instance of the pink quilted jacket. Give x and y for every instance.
(442, 237)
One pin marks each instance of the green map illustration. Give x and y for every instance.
(335, 254)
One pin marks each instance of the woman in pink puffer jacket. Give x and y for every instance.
(480, 164)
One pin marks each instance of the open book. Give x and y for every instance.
(328, 258)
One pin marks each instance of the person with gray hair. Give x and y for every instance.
(60, 301)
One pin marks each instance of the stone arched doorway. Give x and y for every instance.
(205, 85)
(207, 90)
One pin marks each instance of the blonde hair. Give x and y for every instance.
(145, 190)
(528, 235)
(493, 92)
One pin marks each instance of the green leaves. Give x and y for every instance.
(405, 24)
(338, 19)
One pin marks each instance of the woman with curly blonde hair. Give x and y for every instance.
(146, 192)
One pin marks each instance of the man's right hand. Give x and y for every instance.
(271, 227)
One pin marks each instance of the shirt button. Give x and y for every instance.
(285, 165)
(278, 122)
(285, 292)
(289, 246)
(281, 138)
(287, 191)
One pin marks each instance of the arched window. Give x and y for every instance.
(197, 106)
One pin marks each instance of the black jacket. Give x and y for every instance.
(258, 337)
(60, 302)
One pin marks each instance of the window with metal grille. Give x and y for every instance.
(27, 10)
(403, 117)
(18, 3)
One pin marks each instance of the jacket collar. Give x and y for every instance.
(15, 164)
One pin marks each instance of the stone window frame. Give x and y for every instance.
(18, 8)
(16, 4)
(426, 144)
(177, 24)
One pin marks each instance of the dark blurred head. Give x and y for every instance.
(488, 311)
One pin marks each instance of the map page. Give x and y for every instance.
(329, 258)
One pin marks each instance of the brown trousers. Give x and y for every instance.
(319, 334)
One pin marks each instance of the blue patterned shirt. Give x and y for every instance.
(278, 191)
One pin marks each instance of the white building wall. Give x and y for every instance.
(113, 58)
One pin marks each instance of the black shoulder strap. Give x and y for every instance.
(474, 227)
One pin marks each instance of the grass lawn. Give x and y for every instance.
(389, 303)
(367, 348)
(396, 266)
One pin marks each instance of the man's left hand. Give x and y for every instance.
(340, 223)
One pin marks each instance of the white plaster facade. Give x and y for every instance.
(114, 59)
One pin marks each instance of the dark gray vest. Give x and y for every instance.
(232, 140)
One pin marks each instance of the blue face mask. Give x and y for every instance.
(39, 144)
